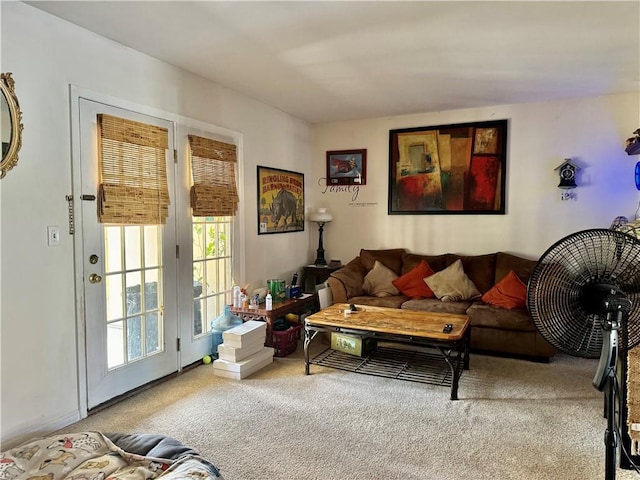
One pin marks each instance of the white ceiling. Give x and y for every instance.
(325, 61)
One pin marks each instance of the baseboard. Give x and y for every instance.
(26, 431)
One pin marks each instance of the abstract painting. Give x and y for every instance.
(448, 169)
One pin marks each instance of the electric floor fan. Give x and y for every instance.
(584, 299)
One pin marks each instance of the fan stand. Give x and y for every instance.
(610, 436)
(605, 377)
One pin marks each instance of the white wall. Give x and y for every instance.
(37, 311)
(590, 131)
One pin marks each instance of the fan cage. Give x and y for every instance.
(555, 291)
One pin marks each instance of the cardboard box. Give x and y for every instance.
(353, 344)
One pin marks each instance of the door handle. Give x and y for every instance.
(95, 278)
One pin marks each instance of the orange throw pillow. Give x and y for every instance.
(412, 283)
(510, 292)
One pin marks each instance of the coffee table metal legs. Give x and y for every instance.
(454, 366)
(309, 334)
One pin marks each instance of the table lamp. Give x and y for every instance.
(320, 217)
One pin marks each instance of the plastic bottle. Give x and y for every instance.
(236, 296)
(268, 305)
(224, 322)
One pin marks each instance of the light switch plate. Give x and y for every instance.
(53, 235)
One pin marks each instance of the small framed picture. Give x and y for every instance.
(347, 167)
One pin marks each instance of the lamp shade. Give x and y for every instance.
(321, 216)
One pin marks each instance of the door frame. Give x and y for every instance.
(75, 93)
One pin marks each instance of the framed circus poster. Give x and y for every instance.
(448, 169)
(280, 201)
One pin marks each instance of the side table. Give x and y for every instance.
(292, 305)
(313, 275)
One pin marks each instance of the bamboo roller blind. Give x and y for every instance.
(133, 172)
(213, 167)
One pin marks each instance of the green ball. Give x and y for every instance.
(206, 359)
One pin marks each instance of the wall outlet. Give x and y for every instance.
(53, 236)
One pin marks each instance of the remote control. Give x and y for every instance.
(447, 328)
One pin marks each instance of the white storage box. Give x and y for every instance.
(243, 368)
(248, 333)
(235, 354)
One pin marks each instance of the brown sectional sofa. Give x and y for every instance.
(493, 329)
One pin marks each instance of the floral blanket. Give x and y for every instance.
(94, 456)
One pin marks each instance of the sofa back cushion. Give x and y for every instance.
(412, 260)
(391, 258)
(479, 268)
(505, 262)
(452, 284)
(509, 293)
(379, 281)
(412, 284)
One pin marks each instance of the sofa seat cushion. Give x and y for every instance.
(435, 305)
(483, 315)
(394, 301)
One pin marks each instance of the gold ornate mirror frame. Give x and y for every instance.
(10, 124)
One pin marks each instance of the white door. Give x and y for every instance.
(205, 263)
(129, 279)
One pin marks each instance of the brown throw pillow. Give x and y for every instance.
(412, 283)
(452, 284)
(379, 281)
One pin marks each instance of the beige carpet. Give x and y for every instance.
(515, 420)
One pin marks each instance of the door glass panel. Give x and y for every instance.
(134, 338)
(211, 275)
(132, 247)
(113, 249)
(152, 327)
(115, 352)
(197, 314)
(211, 246)
(198, 241)
(151, 289)
(151, 242)
(134, 297)
(113, 285)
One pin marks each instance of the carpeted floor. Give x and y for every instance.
(515, 420)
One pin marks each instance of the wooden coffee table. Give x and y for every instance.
(400, 326)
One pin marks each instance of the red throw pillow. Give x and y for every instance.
(510, 292)
(412, 283)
